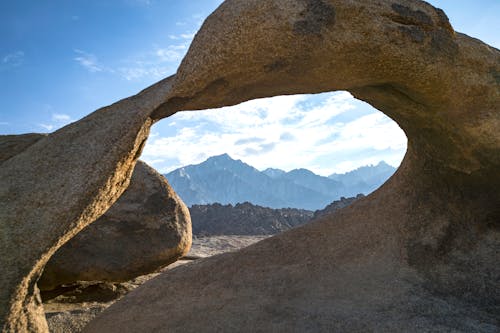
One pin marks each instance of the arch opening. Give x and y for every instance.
(326, 133)
(305, 152)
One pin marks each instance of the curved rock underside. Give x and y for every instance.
(419, 254)
(148, 228)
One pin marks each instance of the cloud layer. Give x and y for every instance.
(326, 133)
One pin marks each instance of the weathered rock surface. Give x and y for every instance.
(11, 145)
(58, 185)
(69, 309)
(147, 228)
(72, 321)
(419, 254)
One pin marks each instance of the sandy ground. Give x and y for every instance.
(212, 245)
(70, 311)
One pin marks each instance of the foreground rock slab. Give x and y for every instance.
(418, 255)
(148, 228)
(74, 308)
(58, 185)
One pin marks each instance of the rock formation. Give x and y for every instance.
(420, 253)
(244, 219)
(336, 205)
(137, 235)
(11, 145)
(147, 228)
(57, 186)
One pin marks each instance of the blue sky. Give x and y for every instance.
(61, 59)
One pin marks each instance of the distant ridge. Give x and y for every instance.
(365, 179)
(244, 219)
(221, 179)
(248, 219)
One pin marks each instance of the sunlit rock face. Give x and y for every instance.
(148, 228)
(58, 185)
(420, 253)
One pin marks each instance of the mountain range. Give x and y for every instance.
(221, 179)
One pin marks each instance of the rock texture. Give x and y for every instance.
(72, 321)
(245, 219)
(336, 205)
(419, 254)
(147, 228)
(70, 308)
(11, 145)
(58, 185)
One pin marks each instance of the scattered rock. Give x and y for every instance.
(419, 254)
(147, 228)
(244, 219)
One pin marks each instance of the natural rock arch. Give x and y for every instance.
(427, 237)
(428, 234)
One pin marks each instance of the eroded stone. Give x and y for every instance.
(57, 186)
(148, 228)
(420, 253)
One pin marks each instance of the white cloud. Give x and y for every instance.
(47, 127)
(284, 132)
(141, 71)
(188, 36)
(14, 59)
(61, 117)
(139, 2)
(58, 120)
(88, 61)
(172, 53)
(155, 63)
(158, 63)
